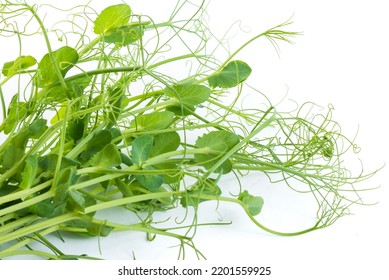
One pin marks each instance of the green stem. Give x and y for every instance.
(24, 193)
(50, 51)
(3, 106)
(17, 223)
(174, 59)
(160, 158)
(83, 143)
(135, 227)
(9, 251)
(129, 200)
(37, 227)
(41, 254)
(90, 46)
(26, 203)
(132, 131)
(61, 146)
(160, 105)
(5, 81)
(99, 72)
(251, 217)
(270, 166)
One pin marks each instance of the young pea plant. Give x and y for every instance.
(98, 121)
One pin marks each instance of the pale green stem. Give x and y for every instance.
(50, 51)
(17, 223)
(26, 203)
(36, 227)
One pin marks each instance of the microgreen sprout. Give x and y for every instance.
(101, 121)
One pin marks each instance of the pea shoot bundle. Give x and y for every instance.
(101, 121)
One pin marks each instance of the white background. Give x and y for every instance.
(342, 58)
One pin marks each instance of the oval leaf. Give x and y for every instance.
(253, 203)
(15, 150)
(75, 202)
(74, 88)
(29, 173)
(16, 111)
(22, 62)
(112, 17)
(188, 94)
(141, 148)
(218, 142)
(98, 229)
(153, 121)
(231, 75)
(37, 128)
(61, 113)
(165, 142)
(65, 178)
(150, 181)
(108, 157)
(64, 58)
(97, 143)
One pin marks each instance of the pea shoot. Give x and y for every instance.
(100, 121)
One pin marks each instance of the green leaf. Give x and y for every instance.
(65, 179)
(37, 128)
(16, 111)
(253, 203)
(149, 181)
(43, 209)
(153, 121)
(165, 142)
(208, 187)
(75, 202)
(328, 148)
(64, 58)
(15, 151)
(112, 17)
(108, 157)
(181, 110)
(231, 75)
(29, 173)
(60, 114)
(76, 129)
(124, 187)
(172, 173)
(126, 159)
(97, 143)
(75, 88)
(116, 135)
(98, 229)
(48, 163)
(141, 148)
(218, 143)
(125, 35)
(115, 100)
(22, 62)
(188, 94)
